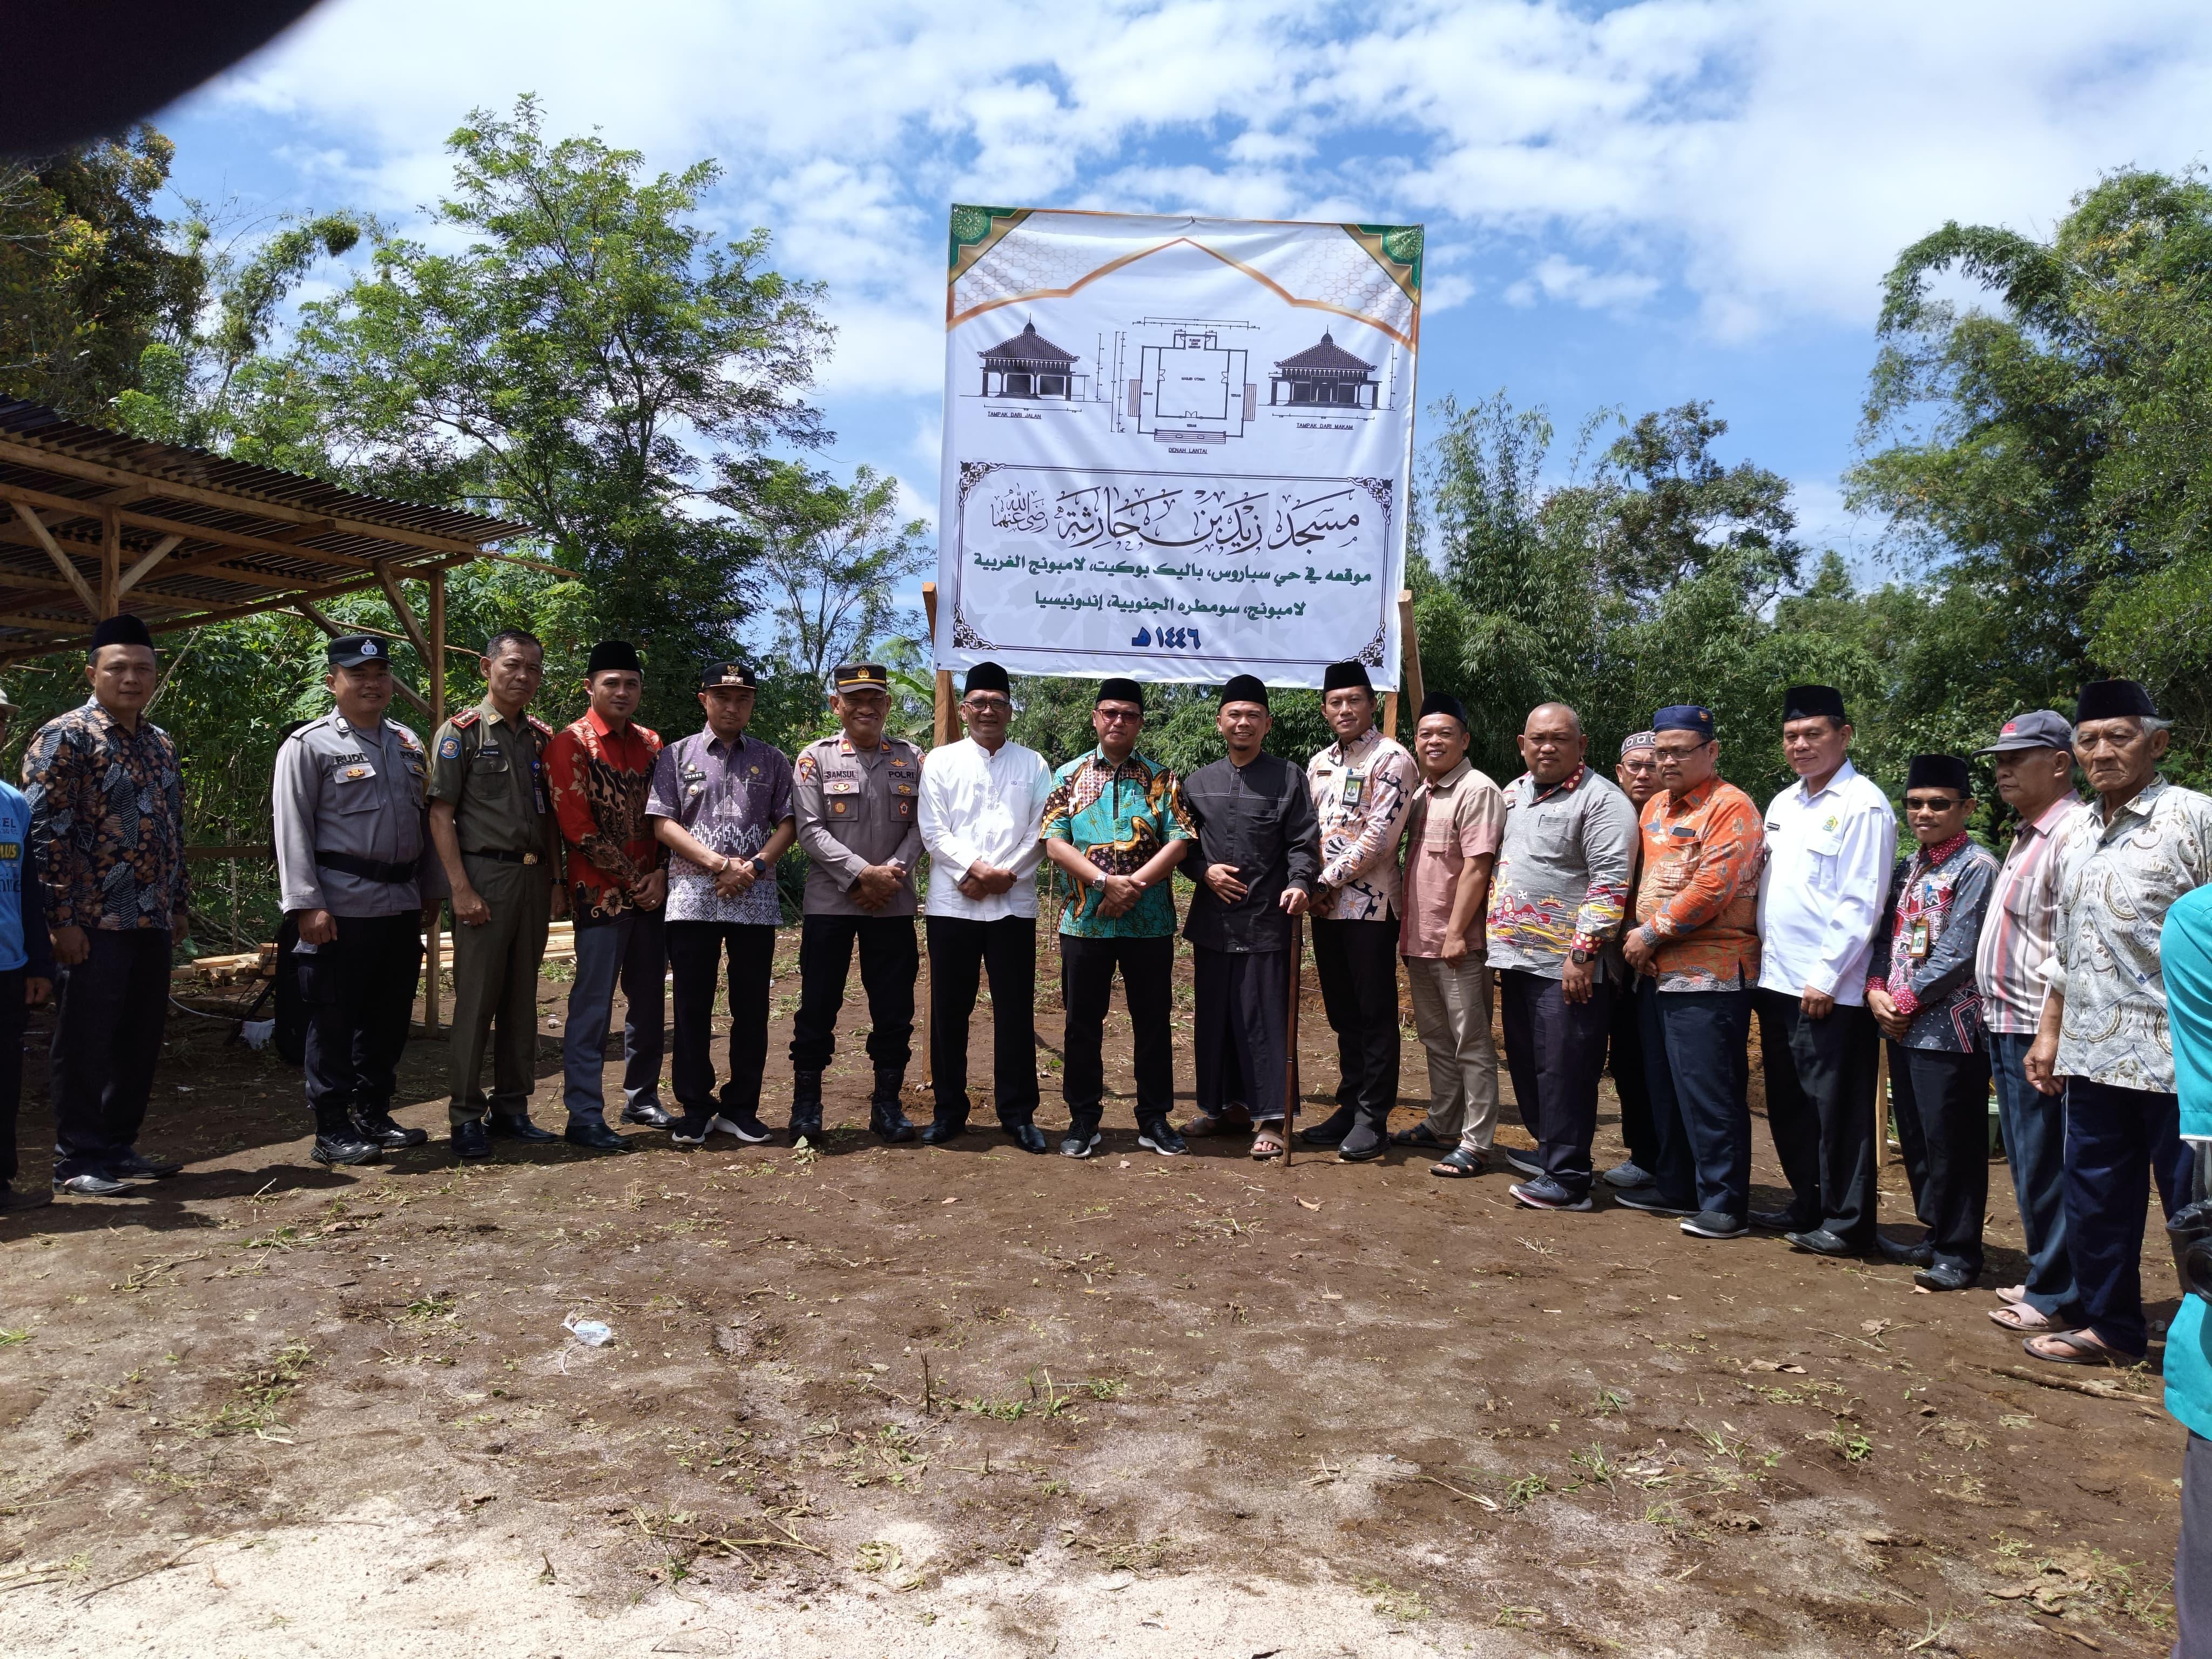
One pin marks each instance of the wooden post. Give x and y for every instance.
(1882, 1104)
(944, 727)
(1290, 1055)
(436, 667)
(1409, 656)
(111, 560)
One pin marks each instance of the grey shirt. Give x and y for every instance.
(857, 807)
(1563, 867)
(340, 789)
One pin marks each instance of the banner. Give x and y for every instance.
(1176, 449)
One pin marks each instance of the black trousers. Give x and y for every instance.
(695, 958)
(1242, 1032)
(2115, 1139)
(1630, 1080)
(890, 962)
(359, 991)
(1942, 1106)
(1555, 1051)
(1695, 1061)
(1086, 988)
(110, 1012)
(961, 950)
(1356, 963)
(2192, 1556)
(1820, 1109)
(13, 1016)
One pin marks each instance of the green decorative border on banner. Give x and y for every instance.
(975, 229)
(1397, 249)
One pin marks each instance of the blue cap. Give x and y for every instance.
(1684, 717)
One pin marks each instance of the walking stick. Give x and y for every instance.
(1290, 1059)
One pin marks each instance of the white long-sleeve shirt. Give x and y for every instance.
(978, 806)
(1828, 861)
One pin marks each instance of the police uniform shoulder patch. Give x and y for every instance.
(465, 719)
(805, 768)
(449, 747)
(543, 730)
(407, 738)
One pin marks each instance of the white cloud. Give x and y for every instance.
(1555, 279)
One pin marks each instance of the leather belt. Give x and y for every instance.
(505, 858)
(367, 869)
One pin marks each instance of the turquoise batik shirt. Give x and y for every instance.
(2185, 953)
(1119, 818)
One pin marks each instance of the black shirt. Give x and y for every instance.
(1261, 818)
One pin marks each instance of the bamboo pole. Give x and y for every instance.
(436, 664)
(1409, 653)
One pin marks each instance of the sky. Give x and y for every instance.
(1627, 205)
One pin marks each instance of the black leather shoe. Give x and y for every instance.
(336, 1146)
(23, 1197)
(1945, 1276)
(1821, 1242)
(1777, 1221)
(805, 1126)
(649, 1115)
(594, 1136)
(940, 1130)
(94, 1186)
(889, 1120)
(517, 1128)
(380, 1128)
(1027, 1136)
(135, 1165)
(1332, 1129)
(1362, 1145)
(1922, 1254)
(470, 1140)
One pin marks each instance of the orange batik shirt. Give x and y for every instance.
(1699, 892)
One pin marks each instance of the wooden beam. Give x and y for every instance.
(398, 601)
(1409, 653)
(154, 555)
(111, 560)
(155, 485)
(944, 725)
(212, 561)
(201, 532)
(63, 563)
(415, 699)
(437, 579)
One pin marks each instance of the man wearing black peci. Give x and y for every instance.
(1259, 854)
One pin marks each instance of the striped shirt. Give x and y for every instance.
(2015, 940)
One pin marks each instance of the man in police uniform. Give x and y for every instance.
(492, 822)
(855, 796)
(352, 868)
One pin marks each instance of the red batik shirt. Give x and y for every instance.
(599, 779)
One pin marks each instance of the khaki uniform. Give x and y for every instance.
(493, 771)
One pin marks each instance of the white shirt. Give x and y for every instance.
(1828, 860)
(980, 807)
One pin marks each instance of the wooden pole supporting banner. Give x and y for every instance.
(944, 727)
(111, 561)
(1409, 656)
(1881, 1105)
(1291, 1048)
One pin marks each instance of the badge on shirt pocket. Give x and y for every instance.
(841, 786)
(903, 807)
(1355, 785)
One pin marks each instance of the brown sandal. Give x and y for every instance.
(2083, 1347)
(1266, 1142)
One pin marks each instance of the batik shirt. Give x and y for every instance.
(2016, 927)
(1362, 792)
(1924, 947)
(2115, 883)
(108, 821)
(1119, 818)
(1563, 865)
(1699, 891)
(733, 797)
(600, 779)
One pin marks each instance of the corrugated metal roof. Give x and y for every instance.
(249, 538)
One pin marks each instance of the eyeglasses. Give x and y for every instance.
(989, 705)
(1639, 766)
(1667, 751)
(1943, 803)
(1120, 716)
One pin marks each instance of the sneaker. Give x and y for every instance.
(690, 1130)
(1161, 1138)
(1631, 1174)
(1712, 1224)
(1646, 1199)
(647, 1114)
(1524, 1162)
(1078, 1144)
(134, 1165)
(746, 1126)
(1545, 1193)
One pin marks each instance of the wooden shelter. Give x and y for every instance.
(93, 523)
(1324, 373)
(1028, 366)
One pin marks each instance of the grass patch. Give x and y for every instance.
(257, 1406)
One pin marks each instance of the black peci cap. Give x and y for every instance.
(1244, 688)
(1940, 771)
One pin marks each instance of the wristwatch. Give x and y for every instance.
(1582, 958)
(760, 869)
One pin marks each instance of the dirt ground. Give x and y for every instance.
(966, 1401)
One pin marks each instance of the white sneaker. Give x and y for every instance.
(750, 1130)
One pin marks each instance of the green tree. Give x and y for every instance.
(2047, 454)
(577, 365)
(89, 276)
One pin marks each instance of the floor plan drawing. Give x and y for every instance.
(1185, 382)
